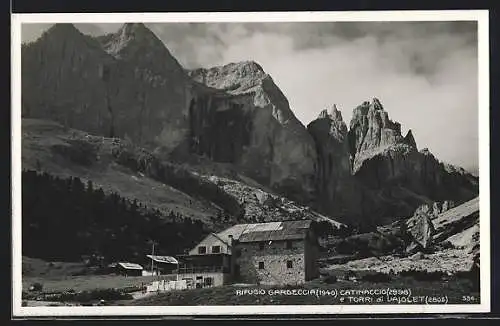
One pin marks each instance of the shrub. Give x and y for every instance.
(420, 275)
(97, 294)
(331, 279)
(472, 275)
(349, 275)
(36, 286)
(377, 278)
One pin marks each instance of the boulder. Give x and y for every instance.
(264, 198)
(417, 256)
(413, 248)
(421, 229)
(447, 204)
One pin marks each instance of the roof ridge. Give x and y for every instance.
(218, 237)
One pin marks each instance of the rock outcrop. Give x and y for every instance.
(448, 243)
(421, 229)
(434, 209)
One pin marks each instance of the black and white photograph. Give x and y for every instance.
(171, 164)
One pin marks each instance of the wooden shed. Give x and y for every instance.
(129, 269)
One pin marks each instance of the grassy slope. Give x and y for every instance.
(39, 139)
(34, 267)
(86, 282)
(43, 140)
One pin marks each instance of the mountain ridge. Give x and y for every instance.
(127, 85)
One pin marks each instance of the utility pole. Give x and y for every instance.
(152, 259)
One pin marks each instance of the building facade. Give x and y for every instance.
(285, 255)
(262, 253)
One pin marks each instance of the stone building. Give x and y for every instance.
(276, 253)
(262, 253)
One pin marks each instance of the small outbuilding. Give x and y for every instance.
(128, 269)
(163, 264)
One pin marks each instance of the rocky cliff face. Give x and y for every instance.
(374, 172)
(128, 85)
(391, 166)
(123, 85)
(337, 193)
(257, 131)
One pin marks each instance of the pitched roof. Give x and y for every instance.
(285, 230)
(286, 234)
(130, 265)
(220, 238)
(163, 259)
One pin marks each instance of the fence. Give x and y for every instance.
(164, 285)
(201, 269)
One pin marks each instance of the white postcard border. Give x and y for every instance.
(481, 16)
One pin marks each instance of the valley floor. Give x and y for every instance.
(326, 294)
(454, 290)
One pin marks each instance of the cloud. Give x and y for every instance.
(424, 73)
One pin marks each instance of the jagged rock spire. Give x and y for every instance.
(410, 140)
(371, 128)
(332, 113)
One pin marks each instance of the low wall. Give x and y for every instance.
(190, 281)
(204, 279)
(165, 285)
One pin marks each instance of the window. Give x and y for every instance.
(289, 244)
(202, 250)
(261, 265)
(237, 253)
(215, 249)
(289, 264)
(261, 245)
(208, 281)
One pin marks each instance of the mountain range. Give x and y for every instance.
(229, 125)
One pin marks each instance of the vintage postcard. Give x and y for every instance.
(250, 163)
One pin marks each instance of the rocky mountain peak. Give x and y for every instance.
(137, 44)
(410, 140)
(235, 78)
(371, 129)
(330, 122)
(376, 105)
(332, 113)
(134, 29)
(246, 69)
(62, 30)
(63, 38)
(130, 38)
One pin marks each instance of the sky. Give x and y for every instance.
(424, 73)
